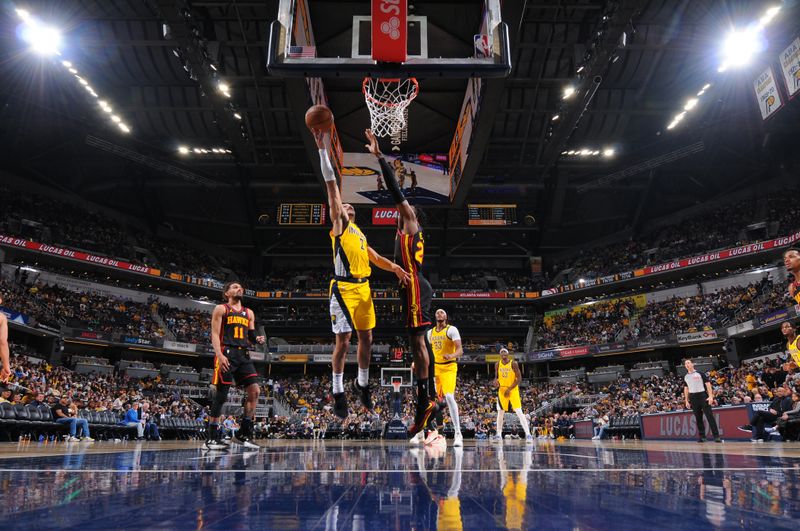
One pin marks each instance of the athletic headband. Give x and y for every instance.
(503, 350)
(440, 310)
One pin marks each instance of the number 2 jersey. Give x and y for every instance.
(409, 251)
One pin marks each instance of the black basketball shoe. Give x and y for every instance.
(340, 405)
(364, 394)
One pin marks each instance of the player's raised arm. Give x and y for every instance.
(335, 206)
(406, 211)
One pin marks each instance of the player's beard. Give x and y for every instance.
(237, 299)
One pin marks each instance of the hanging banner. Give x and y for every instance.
(790, 66)
(769, 99)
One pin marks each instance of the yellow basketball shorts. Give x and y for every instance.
(445, 379)
(514, 399)
(351, 307)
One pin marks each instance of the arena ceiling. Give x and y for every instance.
(51, 134)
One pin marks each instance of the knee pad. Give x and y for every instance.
(217, 395)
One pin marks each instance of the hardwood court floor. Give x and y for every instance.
(339, 485)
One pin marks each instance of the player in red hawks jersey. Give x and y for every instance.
(233, 330)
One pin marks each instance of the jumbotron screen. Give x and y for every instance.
(492, 214)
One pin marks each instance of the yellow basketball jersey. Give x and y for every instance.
(794, 350)
(442, 345)
(350, 256)
(505, 373)
(797, 295)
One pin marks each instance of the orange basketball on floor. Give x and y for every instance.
(319, 117)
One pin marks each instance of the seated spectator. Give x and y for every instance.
(65, 413)
(132, 420)
(600, 427)
(779, 405)
(789, 431)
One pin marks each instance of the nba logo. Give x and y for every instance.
(483, 46)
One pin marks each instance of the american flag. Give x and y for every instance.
(302, 51)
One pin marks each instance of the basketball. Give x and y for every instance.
(319, 118)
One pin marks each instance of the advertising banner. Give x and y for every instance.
(767, 94)
(543, 355)
(694, 337)
(323, 358)
(474, 295)
(790, 66)
(575, 351)
(384, 216)
(610, 347)
(181, 347)
(681, 425)
(89, 334)
(290, 358)
(137, 340)
(771, 318)
(655, 342)
(11, 241)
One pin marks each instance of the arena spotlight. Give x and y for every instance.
(224, 88)
(739, 48)
(43, 39)
(568, 92)
(125, 128)
(183, 150)
(555, 117)
(608, 152)
(691, 104)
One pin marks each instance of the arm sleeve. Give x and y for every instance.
(391, 181)
(429, 333)
(325, 163)
(453, 334)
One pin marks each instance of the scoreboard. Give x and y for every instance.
(301, 214)
(492, 214)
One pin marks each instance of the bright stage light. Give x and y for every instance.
(609, 152)
(43, 39)
(125, 128)
(568, 92)
(739, 48)
(183, 150)
(691, 104)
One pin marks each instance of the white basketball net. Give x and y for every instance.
(387, 101)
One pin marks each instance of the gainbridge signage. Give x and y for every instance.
(384, 216)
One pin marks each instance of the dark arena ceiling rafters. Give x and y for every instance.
(217, 163)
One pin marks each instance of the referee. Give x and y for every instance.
(699, 397)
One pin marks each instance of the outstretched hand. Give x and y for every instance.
(373, 146)
(402, 275)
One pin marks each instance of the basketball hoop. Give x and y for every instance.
(396, 384)
(387, 100)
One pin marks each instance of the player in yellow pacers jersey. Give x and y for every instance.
(508, 399)
(445, 342)
(351, 305)
(791, 260)
(792, 343)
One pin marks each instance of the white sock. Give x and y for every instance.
(453, 407)
(363, 377)
(500, 415)
(338, 383)
(455, 486)
(523, 421)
